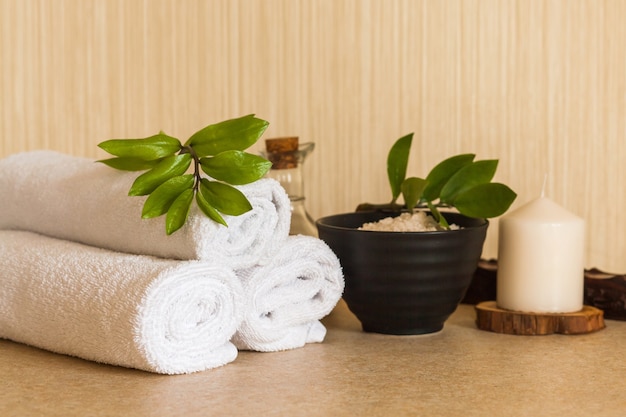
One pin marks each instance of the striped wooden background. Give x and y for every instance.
(540, 85)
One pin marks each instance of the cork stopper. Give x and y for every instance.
(282, 152)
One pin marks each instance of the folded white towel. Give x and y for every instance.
(135, 311)
(287, 296)
(78, 199)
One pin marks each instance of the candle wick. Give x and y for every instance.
(543, 187)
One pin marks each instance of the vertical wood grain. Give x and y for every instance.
(538, 84)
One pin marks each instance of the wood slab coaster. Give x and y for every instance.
(491, 318)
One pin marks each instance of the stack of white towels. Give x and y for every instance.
(82, 274)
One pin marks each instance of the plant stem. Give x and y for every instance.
(438, 216)
(196, 165)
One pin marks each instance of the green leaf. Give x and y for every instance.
(209, 210)
(161, 199)
(169, 167)
(485, 200)
(412, 189)
(129, 163)
(150, 148)
(178, 212)
(439, 218)
(234, 134)
(397, 162)
(224, 198)
(442, 172)
(235, 167)
(468, 176)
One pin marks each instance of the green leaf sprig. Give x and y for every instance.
(458, 182)
(217, 150)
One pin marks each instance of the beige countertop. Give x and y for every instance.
(460, 371)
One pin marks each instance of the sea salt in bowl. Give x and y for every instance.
(400, 282)
(406, 222)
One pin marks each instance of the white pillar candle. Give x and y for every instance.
(541, 259)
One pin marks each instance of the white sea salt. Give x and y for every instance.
(407, 222)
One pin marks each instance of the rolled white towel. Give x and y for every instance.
(162, 316)
(80, 200)
(286, 297)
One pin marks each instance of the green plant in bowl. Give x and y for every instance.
(409, 282)
(459, 182)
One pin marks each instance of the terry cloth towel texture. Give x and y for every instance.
(286, 297)
(158, 315)
(84, 201)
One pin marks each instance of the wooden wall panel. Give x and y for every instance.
(540, 85)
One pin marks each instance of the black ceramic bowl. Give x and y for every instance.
(404, 282)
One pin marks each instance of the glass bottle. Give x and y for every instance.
(287, 157)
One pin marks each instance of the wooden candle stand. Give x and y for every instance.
(604, 291)
(491, 318)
